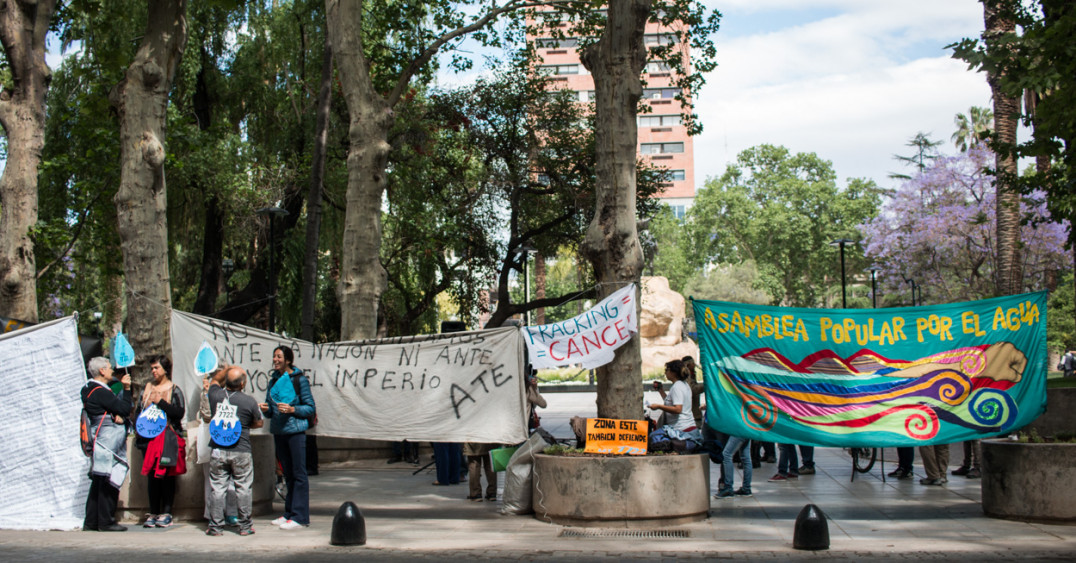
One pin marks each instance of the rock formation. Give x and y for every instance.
(661, 323)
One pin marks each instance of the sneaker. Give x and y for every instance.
(933, 482)
(291, 525)
(974, 474)
(792, 476)
(164, 521)
(279, 521)
(234, 521)
(151, 521)
(724, 493)
(249, 532)
(491, 498)
(475, 498)
(895, 473)
(212, 532)
(961, 471)
(907, 474)
(804, 470)
(743, 492)
(779, 477)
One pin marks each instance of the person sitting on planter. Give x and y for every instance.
(679, 421)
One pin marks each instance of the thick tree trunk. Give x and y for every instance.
(539, 286)
(1006, 113)
(313, 200)
(23, 26)
(612, 241)
(362, 278)
(141, 101)
(212, 256)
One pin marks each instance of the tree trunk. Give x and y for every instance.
(1006, 112)
(141, 101)
(612, 241)
(313, 200)
(212, 255)
(362, 278)
(539, 286)
(23, 26)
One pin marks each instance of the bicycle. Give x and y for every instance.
(863, 460)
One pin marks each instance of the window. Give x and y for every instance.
(658, 120)
(551, 43)
(654, 39)
(678, 211)
(660, 148)
(675, 175)
(586, 96)
(554, 70)
(659, 93)
(657, 66)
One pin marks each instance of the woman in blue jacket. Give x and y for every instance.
(289, 405)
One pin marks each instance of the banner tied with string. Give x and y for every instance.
(590, 339)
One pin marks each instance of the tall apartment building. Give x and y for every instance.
(663, 139)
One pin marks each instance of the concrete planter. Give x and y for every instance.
(629, 491)
(1029, 481)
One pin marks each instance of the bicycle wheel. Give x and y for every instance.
(863, 458)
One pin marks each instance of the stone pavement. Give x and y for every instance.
(408, 518)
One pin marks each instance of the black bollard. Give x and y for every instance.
(812, 530)
(349, 527)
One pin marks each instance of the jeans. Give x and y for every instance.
(228, 467)
(734, 444)
(788, 463)
(807, 456)
(291, 453)
(905, 457)
(448, 456)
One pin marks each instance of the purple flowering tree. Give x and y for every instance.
(939, 229)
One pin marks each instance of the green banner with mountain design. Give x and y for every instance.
(908, 376)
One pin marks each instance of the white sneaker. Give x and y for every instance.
(279, 521)
(291, 525)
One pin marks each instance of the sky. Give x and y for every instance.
(850, 80)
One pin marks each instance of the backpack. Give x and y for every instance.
(85, 424)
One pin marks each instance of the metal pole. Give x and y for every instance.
(874, 291)
(527, 285)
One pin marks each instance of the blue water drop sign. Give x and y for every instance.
(122, 353)
(205, 361)
(225, 432)
(151, 422)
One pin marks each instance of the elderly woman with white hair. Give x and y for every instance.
(108, 469)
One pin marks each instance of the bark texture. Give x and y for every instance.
(23, 26)
(362, 277)
(612, 241)
(1006, 112)
(141, 102)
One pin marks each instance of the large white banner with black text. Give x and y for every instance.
(43, 481)
(456, 387)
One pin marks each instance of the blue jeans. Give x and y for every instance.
(787, 462)
(734, 444)
(291, 453)
(448, 456)
(807, 455)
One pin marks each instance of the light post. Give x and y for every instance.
(915, 289)
(273, 213)
(874, 290)
(841, 242)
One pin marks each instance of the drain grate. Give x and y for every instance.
(640, 534)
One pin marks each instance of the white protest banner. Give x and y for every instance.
(589, 339)
(42, 469)
(457, 387)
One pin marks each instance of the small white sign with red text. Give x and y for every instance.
(590, 339)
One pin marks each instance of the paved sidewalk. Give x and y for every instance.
(409, 518)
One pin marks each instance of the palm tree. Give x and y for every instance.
(973, 130)
(997, 16)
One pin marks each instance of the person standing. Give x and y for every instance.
(478, 462)
(969, 467)
(164, 455)
(732, 445)
(1068, 363)
(231, 463)
(935, 463)
(289, 404)
(108, 462)
(905, 457)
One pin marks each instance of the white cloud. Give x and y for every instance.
(852, 86)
